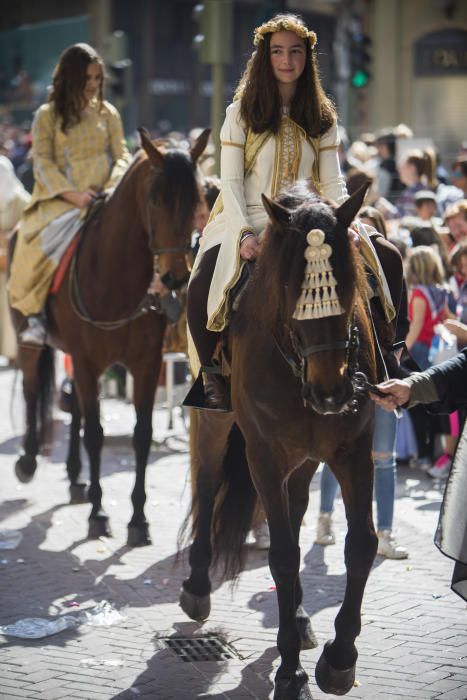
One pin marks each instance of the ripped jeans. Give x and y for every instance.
(384, 458)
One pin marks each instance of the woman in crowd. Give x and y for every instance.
(280, 128)
(417, 171)
(428, 297)
(79, 151)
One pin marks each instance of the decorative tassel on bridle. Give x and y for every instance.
(318, 298)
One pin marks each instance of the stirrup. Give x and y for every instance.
(196, 397)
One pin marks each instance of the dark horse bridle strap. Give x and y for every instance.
(148, 303)
(324, 347)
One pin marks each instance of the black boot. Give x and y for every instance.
(216, 389)
(210, 391)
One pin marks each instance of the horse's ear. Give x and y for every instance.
(347, 211)
(276, 212)
(156, 158)
(200, 144)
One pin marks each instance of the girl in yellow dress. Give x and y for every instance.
(79, 150)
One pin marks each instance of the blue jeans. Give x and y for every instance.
(384, 458)
(420, 353)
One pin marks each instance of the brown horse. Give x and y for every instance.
(102, 315)
(299, 397)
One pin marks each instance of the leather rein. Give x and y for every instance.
(150, 302)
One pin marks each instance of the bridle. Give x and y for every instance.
(351, 345)
(150, 302)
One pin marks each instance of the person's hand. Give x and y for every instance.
(398, 393)
(80, 199)
(457, 328)
(157, 286)
(249, 248)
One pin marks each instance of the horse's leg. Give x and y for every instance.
(86, 378)
(73, 462)
(29, 362)
(299, 484)
(210, 442)
(291, 682)
(335, 670)
(144, 391)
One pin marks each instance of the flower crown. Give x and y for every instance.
(289, 25)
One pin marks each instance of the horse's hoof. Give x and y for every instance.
(99, 527)
(78, 494)
(25, 468)
(331, 680)
(307, 636)
(138, 535)
(197, 607)
(292, 688)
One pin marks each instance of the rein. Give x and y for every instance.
(150, 302)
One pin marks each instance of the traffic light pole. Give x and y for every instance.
(215, 20)
(217, 108)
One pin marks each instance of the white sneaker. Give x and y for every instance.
(34, 333)
(441, 468)
(388, 547)
(324, 531)
(261, 535)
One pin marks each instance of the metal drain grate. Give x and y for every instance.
(208, 648)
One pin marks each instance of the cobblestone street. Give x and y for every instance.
(413, 643)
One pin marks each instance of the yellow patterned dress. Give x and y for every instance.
(91, 155)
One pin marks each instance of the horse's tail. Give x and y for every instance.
(234, 509)
(46, 387)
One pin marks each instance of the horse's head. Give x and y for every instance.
(170, 199)
(321, 274)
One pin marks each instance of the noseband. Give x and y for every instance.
(351, 345)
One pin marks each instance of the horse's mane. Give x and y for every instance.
(282, 260)
(176, 183)
(178, 186)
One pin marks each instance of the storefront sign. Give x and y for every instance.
(441, 53)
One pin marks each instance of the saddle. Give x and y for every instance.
(67, 257)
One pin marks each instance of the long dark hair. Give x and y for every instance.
(424, 163)
(69, 81)
(260, 100)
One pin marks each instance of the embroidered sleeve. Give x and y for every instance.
(233, 138)
(331, 178)
(46, 170)
(118, 148)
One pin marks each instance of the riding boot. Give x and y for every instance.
(216, 389)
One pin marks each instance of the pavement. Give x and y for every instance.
(413, 643)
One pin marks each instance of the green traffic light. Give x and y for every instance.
(360, 78)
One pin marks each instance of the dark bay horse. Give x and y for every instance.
(298, 399)
(101, 314)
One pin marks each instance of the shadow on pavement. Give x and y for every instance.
(166, 676)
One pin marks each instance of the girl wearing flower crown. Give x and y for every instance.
(280, 128)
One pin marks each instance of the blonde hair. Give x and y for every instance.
(455, 209)
(424, 266)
